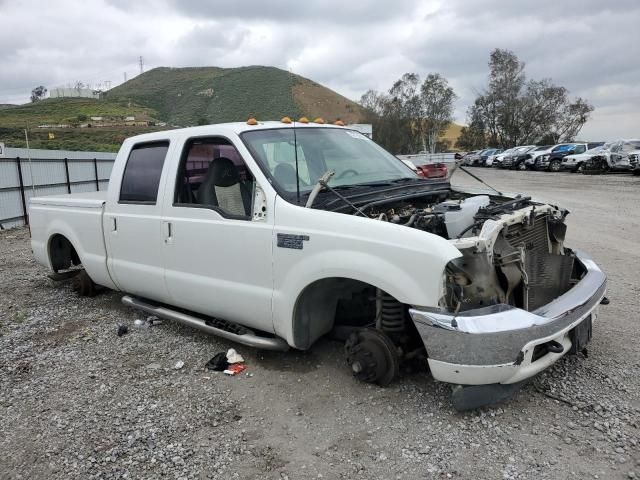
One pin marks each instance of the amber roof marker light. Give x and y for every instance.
(285, 120)
(319, 120)
(252, 121)
(303, 120)
(340, 123)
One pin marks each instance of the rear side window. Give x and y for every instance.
(141, 177)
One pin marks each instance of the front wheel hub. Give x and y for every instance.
(372, 356)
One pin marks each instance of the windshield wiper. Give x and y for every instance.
(323, 182)
(407, 180)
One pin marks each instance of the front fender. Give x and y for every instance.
(404, 262)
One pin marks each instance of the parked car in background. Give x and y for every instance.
(427, 170)
(471, 157)
(553, 161)
(516, 153)
(498, 159)
(535, 156)
(485, 154)
(519, 161)
(576, 161)
(622, 156)
(492, 158)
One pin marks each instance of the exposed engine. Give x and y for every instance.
(519, 259)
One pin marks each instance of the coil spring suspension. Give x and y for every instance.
(391, 313)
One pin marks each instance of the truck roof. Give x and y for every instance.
(228, 128)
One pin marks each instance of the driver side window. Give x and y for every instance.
(212, 174)
(580, 149)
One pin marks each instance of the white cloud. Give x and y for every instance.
(586, 45)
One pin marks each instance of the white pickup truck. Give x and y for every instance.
(274, 234)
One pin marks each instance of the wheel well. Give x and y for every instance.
(62, 254)
(316, 309)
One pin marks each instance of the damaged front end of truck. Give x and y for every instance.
(515, 302)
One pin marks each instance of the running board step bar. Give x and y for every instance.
(248, 338)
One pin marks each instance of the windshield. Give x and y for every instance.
(354, 157)
(522, 149)
(564, 147)
(598, 149)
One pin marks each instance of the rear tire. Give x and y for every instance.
(83, 285)
(521, 166)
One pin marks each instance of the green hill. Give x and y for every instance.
(179, 97)
(188, 96)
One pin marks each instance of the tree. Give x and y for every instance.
(411, 115)
(391, 113)
(38, 93)
(436, 112)
(514, 111)
(471, 138)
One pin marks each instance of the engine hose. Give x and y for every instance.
(391, 314)
(468, 228)
(411, 220)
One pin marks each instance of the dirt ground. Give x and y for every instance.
(77, 401)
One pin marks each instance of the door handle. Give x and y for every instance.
(114, 224)
(168, 232)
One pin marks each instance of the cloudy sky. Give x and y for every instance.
(590, 46)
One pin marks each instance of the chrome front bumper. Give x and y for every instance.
(495, 344)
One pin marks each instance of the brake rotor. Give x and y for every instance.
(372, 356)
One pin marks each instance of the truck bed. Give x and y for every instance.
(78, 218)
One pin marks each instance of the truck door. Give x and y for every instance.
(217, 253)
(133, 223)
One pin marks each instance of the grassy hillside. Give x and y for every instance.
(107, 139)
(452, 134)
(70, 111)
(178, 96)
(188, 96)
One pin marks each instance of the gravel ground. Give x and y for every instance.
(77, 401)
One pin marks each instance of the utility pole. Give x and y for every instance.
(125, 77)
(107, 84)
(141, 60)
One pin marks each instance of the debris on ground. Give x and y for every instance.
(122, 330)
(179, 364)
(152, 321)
(233, 356)
(218, 363)
(235, 369)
